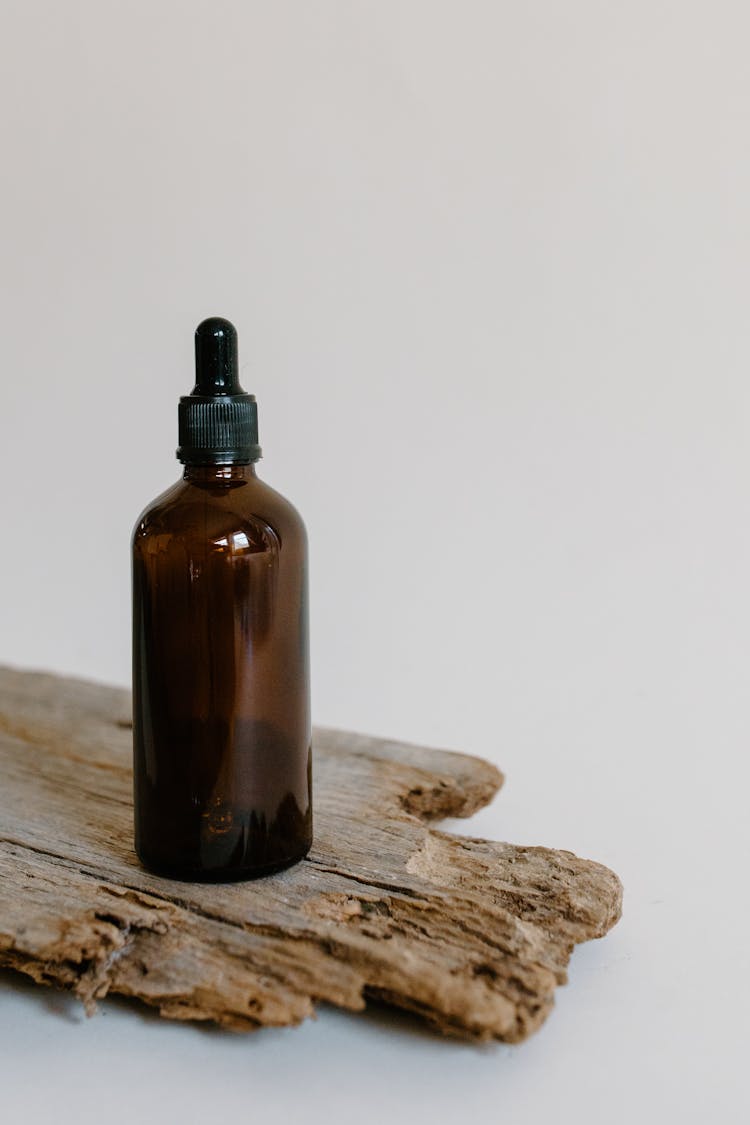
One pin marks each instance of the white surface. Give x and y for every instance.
(489, 264)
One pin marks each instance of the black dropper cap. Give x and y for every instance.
(218, 422)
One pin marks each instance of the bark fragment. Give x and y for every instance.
(470, 934)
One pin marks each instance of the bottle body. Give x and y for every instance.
(221, 695)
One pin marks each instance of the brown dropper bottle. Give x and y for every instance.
(221, 696)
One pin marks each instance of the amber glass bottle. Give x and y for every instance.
(221, 710)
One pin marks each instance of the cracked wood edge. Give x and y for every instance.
(472, 935)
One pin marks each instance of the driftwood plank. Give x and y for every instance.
(472, 935)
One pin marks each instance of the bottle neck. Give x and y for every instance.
(216, 474)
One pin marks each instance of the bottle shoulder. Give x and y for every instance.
(156, 507)
(281, 508)
(190, 510)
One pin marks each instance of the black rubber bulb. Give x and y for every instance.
(216, 371)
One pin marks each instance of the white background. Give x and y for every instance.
(490, 266)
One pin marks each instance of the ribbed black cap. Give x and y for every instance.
(218, 422)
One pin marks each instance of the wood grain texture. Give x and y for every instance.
(472, 935)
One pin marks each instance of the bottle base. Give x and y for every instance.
(219, 875)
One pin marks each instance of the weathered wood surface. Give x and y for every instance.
(471, 935)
